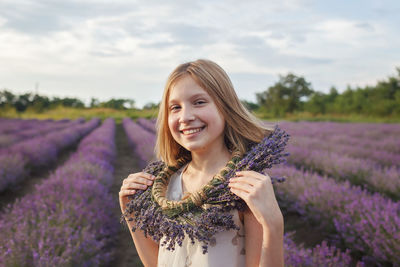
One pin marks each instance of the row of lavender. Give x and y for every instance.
(8, 126)
(142, 141)
(67, 220)
(18, 160)
(39, 128)
(368, 224)
(327, 130)
(375, 169)
(351, 139)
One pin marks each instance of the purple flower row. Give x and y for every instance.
(378, 157)
(147, 124)
(320, 130)
(381, 137)
(37, 129)
(18, 160)
(141, 140)
(68, 219)
(368, 224)
(16, 125)
(321, 255)
(342, 167)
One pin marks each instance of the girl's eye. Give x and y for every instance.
(175, 107)
(199, 102)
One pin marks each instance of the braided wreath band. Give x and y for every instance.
(191, 199)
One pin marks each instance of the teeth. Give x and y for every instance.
(192, 131)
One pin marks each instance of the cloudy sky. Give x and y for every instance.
(126, 49)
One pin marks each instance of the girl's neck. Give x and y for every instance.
(209, 162)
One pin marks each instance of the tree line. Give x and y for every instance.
(39, 103)
(294, 94)
(290, 94)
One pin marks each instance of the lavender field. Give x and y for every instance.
(341, 197)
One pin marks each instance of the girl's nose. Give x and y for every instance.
(186, 115)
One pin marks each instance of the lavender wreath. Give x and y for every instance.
(204, 213)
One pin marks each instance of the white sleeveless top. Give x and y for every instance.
(229, 249)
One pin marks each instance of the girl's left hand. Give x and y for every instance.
(257, 191)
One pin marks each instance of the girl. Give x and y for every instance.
(201, 117)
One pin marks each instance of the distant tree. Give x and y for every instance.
(94, 102)
(40, 103)
(118, 103)
(316, 103)
(151, 105)
(68, 102)
(22, 102)
(6, 98)
(286, 95)
(130, 103)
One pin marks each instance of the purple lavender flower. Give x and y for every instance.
(38, 152)
(68, 219)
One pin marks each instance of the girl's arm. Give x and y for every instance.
(146, 247)
(264, 244)
(263, 221)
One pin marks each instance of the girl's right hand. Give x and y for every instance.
(131, 184)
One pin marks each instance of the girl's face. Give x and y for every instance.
(193, 118)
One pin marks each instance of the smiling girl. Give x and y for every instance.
(201, 119)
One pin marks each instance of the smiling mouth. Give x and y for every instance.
(192, 131)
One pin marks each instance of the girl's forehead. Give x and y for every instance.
(186, 88)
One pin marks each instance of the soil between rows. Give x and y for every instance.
(125, 164)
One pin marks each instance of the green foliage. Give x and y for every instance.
(151, 106)
(285, 96)
(37, 103)
(118, 104)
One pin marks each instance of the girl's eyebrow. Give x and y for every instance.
(173, 100)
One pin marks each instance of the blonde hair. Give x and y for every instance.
(241, 127)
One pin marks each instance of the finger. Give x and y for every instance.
(256, 175)
(124, 193)
(251, 174)
(148, 175)
(140, 176)
(131, 186)
(249, 180)
(138, 179)
(242, 186)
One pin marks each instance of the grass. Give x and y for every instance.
(306, 116)
(118, 115)
(74, 113)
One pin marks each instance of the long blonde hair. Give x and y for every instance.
(241, 127)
